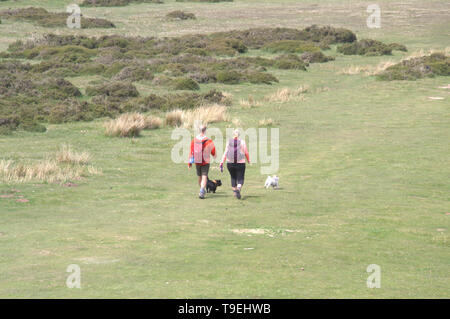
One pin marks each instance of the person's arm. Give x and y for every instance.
(245, 150)
(191, 153)
(213, 149)
(224, 157)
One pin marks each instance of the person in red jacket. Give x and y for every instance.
(201, 149)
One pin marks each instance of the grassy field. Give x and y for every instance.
(364, 177)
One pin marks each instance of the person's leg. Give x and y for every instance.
(240, 171)
(204, 179)
(232, 170)
(204, 169)
(240, 175)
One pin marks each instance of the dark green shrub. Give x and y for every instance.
(366, 47)
(42, 17)
(114, 3)
(397, 47)
(417, 68)
(290, 62)
(133, 73)
(32, 126)
(113, 89)
(8, 124)
(315, 57)
(71, 110)
(291, 46)
(213, 1)
(327, 35)
(57, 88)
(228, 77)
(258, 37)
(185, 84)
(114, 69)
(180, 15)
(256, 77)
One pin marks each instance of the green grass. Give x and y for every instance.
(363, 175)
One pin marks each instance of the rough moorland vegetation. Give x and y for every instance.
(417, 68)
(204, 0)
(114, 3)
(40, 90)
(369, 47)
(42, 17)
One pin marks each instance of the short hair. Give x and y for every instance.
(236, 133)
(202, 128)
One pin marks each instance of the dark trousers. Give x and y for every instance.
(237, 173)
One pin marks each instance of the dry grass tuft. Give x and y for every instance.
(204, 114)
(367, 69)
(266, 122)
(227, 98)
(66, 155)
(250, 103)
(131, 125)
(152, 123)
(286, 94)
(420, 53)
(64, 166)
(236, 122)
(174, 118)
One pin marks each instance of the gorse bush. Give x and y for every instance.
(43, 18)
(417, 68)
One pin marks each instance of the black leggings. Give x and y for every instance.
(237, 172)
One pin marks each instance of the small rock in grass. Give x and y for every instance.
(435, 98)
(6, 196)
(440, 229)
(22, 200)
(445, 86)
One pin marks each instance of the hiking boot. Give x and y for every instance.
(238, 194)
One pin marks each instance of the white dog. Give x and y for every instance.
(272, 181)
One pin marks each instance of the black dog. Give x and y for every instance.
(212, 185)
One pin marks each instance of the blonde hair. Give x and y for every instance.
(236, 133)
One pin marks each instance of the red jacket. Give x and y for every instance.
(201, 149)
